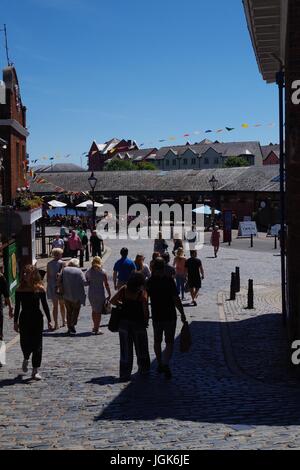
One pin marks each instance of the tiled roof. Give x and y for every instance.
(57, 168)
(227, 149)
(229, 179)
(267, 149)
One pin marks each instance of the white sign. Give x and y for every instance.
(246, 229)
(274, 230)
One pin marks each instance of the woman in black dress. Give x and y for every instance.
(30, 321)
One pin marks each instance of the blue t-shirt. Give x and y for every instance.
(124, 268)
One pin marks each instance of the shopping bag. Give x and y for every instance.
(115, 318)
(185, 338)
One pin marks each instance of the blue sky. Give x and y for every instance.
(147, 70)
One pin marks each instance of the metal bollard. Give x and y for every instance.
(237, 279)
(81, 258)
(251, 241)
(250, 294)
(232, 286)
(275, 242)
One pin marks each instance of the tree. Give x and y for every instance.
(127, 165)
(232, 162)
(145, 166)
(119, 165)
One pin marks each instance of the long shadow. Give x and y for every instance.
(203, 389)
(17, 380)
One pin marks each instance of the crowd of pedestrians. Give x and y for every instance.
(142, 292)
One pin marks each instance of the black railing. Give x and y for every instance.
(39, 245)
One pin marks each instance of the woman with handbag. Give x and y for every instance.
(54, 268)
(97, 281)
(134, 317)
(30, 321)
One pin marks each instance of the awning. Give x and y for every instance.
(267, 21)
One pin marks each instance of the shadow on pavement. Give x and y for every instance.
(203, 389)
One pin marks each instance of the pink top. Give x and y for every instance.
(74, 242)
(179, 263)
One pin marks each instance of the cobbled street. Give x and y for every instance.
(233, 390)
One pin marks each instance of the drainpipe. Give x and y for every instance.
(281, 85)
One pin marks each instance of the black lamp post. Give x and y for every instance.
(213, 183)
(93, 182)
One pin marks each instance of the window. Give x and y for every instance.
(206, 161)
(193, 161)
(185, 161)
(167, 163)
(216, 161)
(174, 162)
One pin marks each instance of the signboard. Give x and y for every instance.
(246, 229)
(11, 270)
(227, 225)
(274, 230)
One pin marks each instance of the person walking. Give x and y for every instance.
(215, 239)
(123, 269)
(96, 244)
(160, 244)
(141, 266)
(74, 243)
(73, 281)
(178, 243)
(97, 281)
(28, 318)
(133, 324)
(195, 274)
(164, 302)
(58, 242)
(55, 267)
(169, 270)
(180, 274)
(192, 237)
(4, 292)
(154, 256)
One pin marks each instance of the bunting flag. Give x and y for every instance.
(171, 138)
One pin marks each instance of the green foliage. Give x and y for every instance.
(146, 166)
(232, 162)
(127, 165)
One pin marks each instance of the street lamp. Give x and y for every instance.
(93, 182)
(213, 183)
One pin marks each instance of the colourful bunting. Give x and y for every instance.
(245, 126)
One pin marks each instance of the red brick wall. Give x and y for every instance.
(14, 165)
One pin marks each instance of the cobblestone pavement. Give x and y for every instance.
(207, 405)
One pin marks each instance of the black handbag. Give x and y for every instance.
(115, 317)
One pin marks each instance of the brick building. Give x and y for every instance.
(100, 153)
(13, 131)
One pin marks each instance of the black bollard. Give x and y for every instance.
(81, 258)
(275, 242)
(250, 294)
(237, 279)
(251, 241)
(232, 286)
(87, 253)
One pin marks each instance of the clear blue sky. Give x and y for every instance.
(147, 70)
